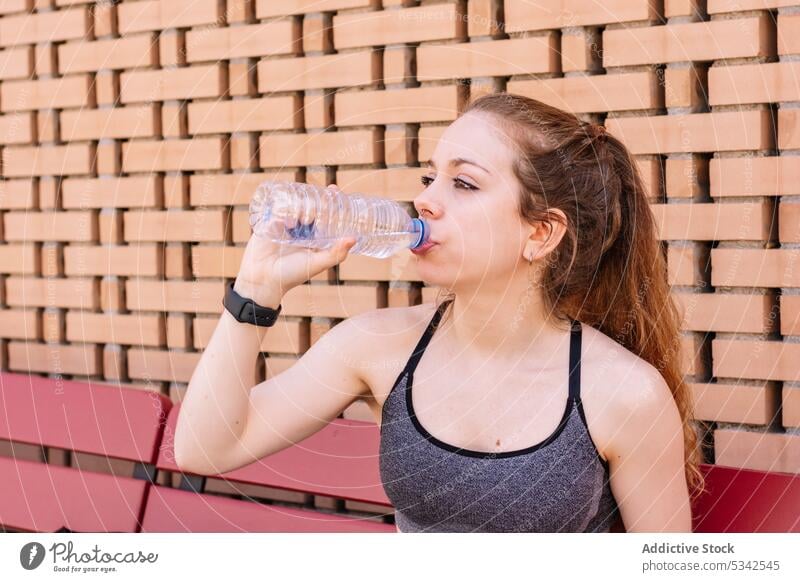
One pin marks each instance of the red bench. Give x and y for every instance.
(78, 416)
(340, 461)
(747, 501)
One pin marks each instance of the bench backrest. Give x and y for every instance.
(747, 501)
(340, 461)
(82, 416)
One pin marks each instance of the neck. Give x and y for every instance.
(490, 323)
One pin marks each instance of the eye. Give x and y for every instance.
(463, 184)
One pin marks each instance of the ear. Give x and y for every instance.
(544, 236)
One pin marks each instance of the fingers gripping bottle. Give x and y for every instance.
(315, 217)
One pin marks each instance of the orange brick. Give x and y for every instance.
(216, 261)
(116, 123)
(115, 328)
(240, 79)
(754, 176)
(156, 15)
(172, 225)
(349, 69)
(71, 91)
(317, 34)
(231, 189)
(116, 53)
(695, 41)
(112, 294)
(686, 177)
(695, 132)
(515, 56)
(332, 300)
(112, 192)
(161, 365)
(52, 260)
(728, 312)
(417, 105)
(734, 221)
(75, 225)
(427, 139)
(686, 264)
(70, 159)
(721, 6)
(791, 406)
(584, 94)
(193, 82)
(739, 403)
(53, 326)
(268, 8)
(401, 184)
(15, 194)
(319, 149)
(685, 87)
(523, 15)
(19, 259)
(183, 296)
(179, 331)
(759, 360)
(760, 451)
(84, 360)
(407, 25)
(44, 27)
(284, 337)
(755, 267)
(11, 6)
(788, 129)
(578, 51)
(403, 267)
(16, 63)
(17, 128)
(129, 260)
(279, 37)
(761, 83)
(163, 156)
(67, 293)
(21, 324)
(788, 34)
(790, 314)
(268, 113)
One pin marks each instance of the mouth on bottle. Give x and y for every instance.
(421, 228)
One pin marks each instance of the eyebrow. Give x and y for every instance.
(459, 161)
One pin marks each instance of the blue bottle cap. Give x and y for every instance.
(418, 225)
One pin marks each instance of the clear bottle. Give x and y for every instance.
(315, 217)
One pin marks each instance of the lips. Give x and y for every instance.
(422, 249)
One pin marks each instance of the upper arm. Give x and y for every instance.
(647, 460)
(301, 400)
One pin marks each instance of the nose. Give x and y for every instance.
(425, 207)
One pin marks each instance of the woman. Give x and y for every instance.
(550, 397)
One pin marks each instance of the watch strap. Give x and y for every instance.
(248, 311)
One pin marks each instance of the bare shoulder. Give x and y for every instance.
(381, 340)
(615, 385)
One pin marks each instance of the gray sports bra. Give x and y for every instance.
(558, 485)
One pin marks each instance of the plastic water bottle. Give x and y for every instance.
(315, 217)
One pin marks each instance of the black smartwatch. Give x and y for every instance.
(247, 310)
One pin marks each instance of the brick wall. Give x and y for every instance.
(133, 134)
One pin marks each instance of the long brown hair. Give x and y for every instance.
(609, 270)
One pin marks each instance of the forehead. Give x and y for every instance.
(474, 136)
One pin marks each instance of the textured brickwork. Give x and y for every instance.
(133, 133)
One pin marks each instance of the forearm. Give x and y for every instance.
(216, 404)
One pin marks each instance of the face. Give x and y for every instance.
(470, 201)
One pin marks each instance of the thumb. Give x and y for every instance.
(328, 258)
